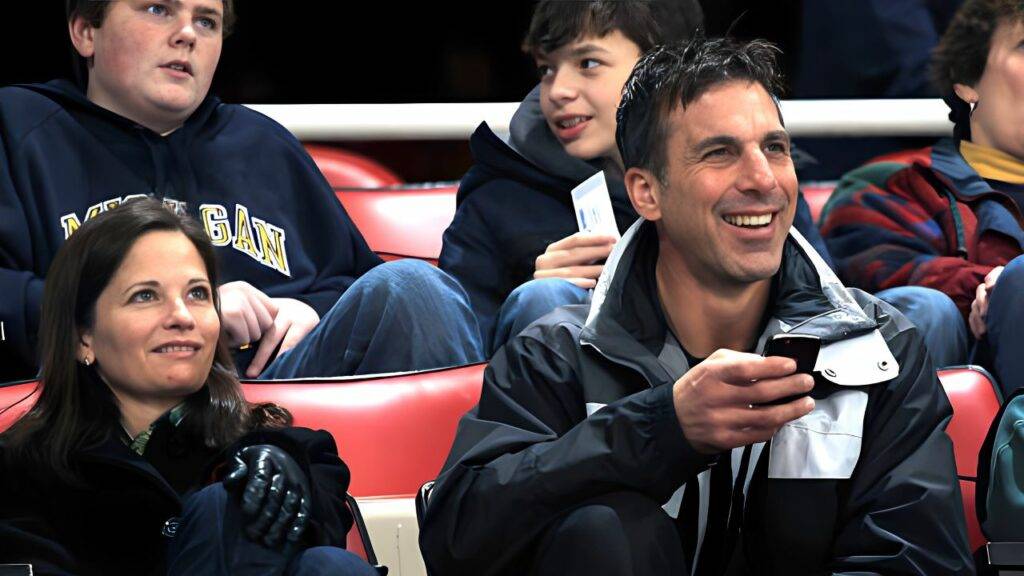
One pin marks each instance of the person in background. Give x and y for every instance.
(949, 217)
(140, 455)
(303, 295)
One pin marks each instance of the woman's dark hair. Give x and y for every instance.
(677, 74)
(646, 23)
(76, 409)
(963, 50)
(95, 11)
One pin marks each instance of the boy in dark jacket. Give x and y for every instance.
(514, 244)
(303, 292)
(647, 434)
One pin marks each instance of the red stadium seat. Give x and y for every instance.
(393, 431)
(344, 169)
(402, 222)
(975, 398)
(15, 399)
(816, 194)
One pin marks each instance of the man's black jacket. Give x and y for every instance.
(529, 452)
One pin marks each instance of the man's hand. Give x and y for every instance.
(573, 257)
(246, 312)
(719, 403)
(294, 319)
(274, 491)
(979, 308)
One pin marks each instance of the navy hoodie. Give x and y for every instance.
(516, 200)
(272, 216)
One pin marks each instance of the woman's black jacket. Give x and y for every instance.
(114, 522)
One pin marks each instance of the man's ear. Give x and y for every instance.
(81, 33)
(644, 191)
(966, 93)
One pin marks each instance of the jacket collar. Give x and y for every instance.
(627, 328)
(946, 159)
(113, 452)
(71, 96)
(992, 214)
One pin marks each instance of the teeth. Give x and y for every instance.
(178, 67)
(164, 349)
(572, 121)
(749, 221)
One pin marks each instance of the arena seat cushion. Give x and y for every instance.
(343, 168)
(404, 221)
(395, 431)
(975, 398)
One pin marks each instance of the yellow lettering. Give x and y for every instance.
(215, 221)
(271, 241)
(70, 222)
(243, 232)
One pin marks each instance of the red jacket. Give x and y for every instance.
(892, 223)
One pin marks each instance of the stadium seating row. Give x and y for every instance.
(394, 431)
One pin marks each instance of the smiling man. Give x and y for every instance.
(648, 435)
(304, 295)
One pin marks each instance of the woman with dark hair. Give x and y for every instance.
(141, 456)
(950, 217)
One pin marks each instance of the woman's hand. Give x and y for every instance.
(275, 494)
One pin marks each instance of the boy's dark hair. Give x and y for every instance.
(647, 23)
(676, 75)
(95, 11)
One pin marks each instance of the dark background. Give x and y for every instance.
(326, 51)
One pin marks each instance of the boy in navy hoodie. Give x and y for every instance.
(514, 244)
(304, 295)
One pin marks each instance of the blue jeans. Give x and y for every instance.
(1005, 325)
(938, 320)
(529, 302)
(400, 316)
(210, 542)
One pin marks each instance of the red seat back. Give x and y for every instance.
(394, 432)
(343, 168)
(816, 194)
(405, 222)
(15, 399)
(975, 399)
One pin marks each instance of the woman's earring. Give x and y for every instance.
(973, 105)
(86, 361)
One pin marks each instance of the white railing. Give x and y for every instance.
(830, 118)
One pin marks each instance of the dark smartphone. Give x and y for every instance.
(800, 347)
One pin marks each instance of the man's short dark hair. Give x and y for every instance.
(676, 75)
(95, 11)
(646, 23)
(962, 53)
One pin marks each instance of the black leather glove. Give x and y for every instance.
(275, 494)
